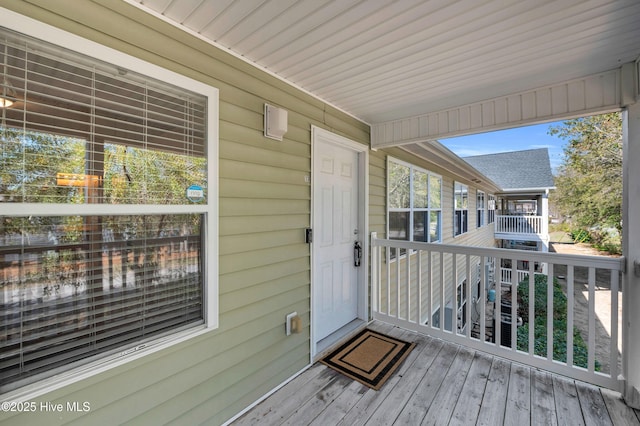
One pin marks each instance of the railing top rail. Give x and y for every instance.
(519, 215)
(613, 263)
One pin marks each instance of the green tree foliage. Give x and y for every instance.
(399, 176)
(559, 317)
(31, 163)
(589, 182)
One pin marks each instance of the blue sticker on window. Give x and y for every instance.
(195, 193)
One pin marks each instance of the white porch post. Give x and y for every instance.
(631, 250)
(544, 212)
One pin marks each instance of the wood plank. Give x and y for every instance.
(593, 407)
(388, 329)
(495, 395)
(411, 407)
(471, 396)
(620, 413)
(447, 397)
(568, 409)
(307, 412)
(518, 406)
(543, 407)
(279, 405)
(441, 383)
(362, 410)
(335, 411)
(385, 411)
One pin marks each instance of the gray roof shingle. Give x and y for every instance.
(516, 170)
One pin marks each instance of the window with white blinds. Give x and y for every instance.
(104, 176)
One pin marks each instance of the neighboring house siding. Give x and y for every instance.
(479, 237)
(264, 207)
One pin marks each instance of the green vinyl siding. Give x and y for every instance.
(378, 193)
(264, 206)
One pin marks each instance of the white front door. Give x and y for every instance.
(335, 232)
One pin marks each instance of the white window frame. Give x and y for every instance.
(491, 209)
(209, 208)
(481, 208)
(464, 211)
(411, 209)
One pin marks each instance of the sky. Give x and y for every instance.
(518, 139)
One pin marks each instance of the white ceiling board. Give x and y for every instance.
(381, 60)
(159, 6)
(178, 11)
(304, 31)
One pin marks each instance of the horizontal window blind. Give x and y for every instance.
(76, 285)
(73, 286)
(77, 124)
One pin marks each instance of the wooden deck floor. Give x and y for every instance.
(441, 383)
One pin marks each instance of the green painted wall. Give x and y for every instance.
(264, 207)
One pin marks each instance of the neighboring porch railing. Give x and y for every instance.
(564, 333)
(519, 225)
(506, 275)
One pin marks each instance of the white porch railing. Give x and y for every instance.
(519, 225)
(412, 281)
(506, 274)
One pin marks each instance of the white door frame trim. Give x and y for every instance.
(363, 221)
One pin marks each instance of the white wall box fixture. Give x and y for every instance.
(275, 122)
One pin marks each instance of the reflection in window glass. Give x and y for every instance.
(85, 276)
(491, 209)
(435, 226)
(420, 223)
(420, 199)
(40, 167)
(399, 225)
(480, 209)
(399, 186)
(435, 191)
(461, 204)
(414, 203)
(77, 286)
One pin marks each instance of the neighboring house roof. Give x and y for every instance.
(517, 170)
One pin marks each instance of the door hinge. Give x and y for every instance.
(308, 235)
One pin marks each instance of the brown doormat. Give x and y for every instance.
(369, 357)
